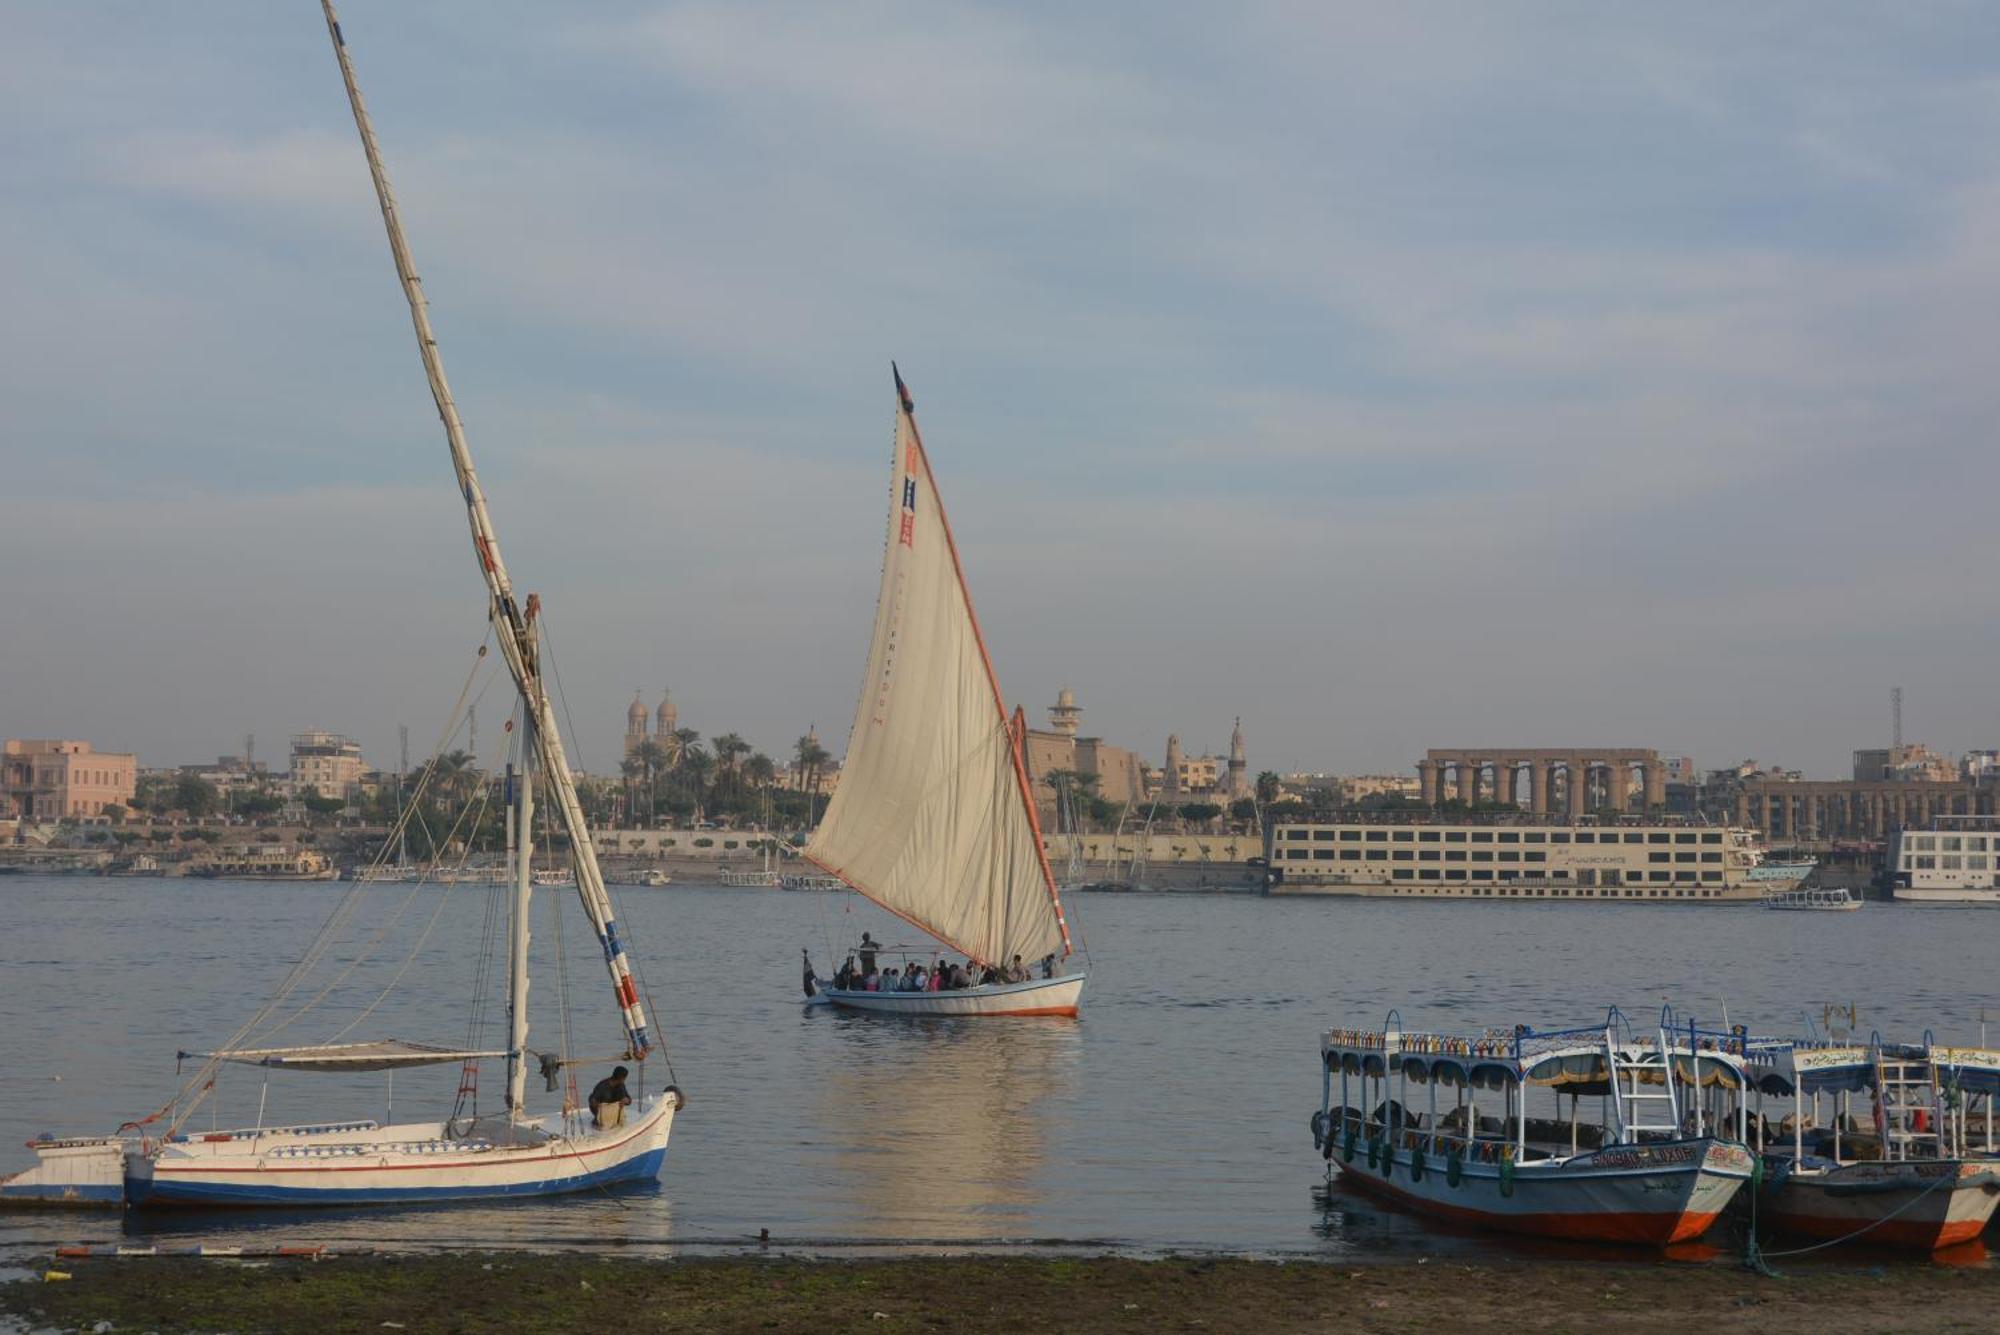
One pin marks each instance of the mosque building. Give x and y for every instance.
(1124, 776)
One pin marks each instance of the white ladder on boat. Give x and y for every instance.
(1902, 1086)
(1631, 1097)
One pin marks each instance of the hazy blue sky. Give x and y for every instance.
(1391, 375)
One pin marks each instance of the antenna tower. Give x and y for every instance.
(1896, 719)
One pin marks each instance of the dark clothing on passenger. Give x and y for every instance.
(611, 1089)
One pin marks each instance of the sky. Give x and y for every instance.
(1391, 376)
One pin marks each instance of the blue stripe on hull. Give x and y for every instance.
(155, 1193)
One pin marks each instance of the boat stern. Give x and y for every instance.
(84, 1171)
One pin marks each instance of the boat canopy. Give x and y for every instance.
(1972, 1070)
(1480, 1073)
(383, 1054)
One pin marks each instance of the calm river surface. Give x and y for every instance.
(1172, 1115)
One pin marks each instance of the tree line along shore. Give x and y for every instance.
(590, 1293)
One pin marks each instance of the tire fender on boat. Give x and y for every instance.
(1416, 1165)
(1374, 1151)
(1454, 1168)
(1347, 1146)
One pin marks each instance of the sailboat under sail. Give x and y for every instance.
(933, 818)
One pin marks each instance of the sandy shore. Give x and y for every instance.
(543, 1293)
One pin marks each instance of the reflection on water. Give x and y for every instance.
(1171, 1115)
(942, 1125)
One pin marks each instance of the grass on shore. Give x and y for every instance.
(562, 1293)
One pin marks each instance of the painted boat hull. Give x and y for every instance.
(1923, 1206)
(1041, 996)
(81, 1172)
(396, 1165)
(1650, 1195)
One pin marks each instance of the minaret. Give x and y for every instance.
(1065, 715)
(1239, 768)
(1170, 781)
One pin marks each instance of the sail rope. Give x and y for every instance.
(416, 947)
(548, 655)
(191, 1091)
(367, 949)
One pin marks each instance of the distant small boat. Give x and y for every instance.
(1813, 898)
(650, 878)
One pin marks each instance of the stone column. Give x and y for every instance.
(1742, 809)
(1468, 782)
(1503, 781)
(1538, 787)
(1656, 786)
(1427, 782)
(1616, 786)
(1808, 815)
(1574, 782)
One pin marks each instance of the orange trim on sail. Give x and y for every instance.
(979, 638)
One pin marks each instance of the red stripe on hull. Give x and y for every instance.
(1655, 1229)
(1919, 1234)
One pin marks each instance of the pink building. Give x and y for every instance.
(50, 780)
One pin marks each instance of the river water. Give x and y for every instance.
(1171, 1116)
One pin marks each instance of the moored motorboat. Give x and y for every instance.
(1922, 1171)
(1656, 1165)
(1812, 899)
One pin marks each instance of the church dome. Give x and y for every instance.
(669, 714)
(637, 713)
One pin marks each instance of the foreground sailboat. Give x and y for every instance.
(933, 818)
(466, 1155)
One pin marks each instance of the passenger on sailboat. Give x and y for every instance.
(869, 945)
(609, 1099)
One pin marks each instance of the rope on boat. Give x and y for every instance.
(1754, 1257)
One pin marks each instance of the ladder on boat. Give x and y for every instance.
(1634, 1097)
(1905, 1086)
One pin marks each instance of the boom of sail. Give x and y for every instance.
(933, 818)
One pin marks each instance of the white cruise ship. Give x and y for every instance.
(1672, 863)
(1956, 862)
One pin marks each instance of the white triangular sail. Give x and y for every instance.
(932, 818)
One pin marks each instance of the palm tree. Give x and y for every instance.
(730, 748)
(1268, 784)
(676, 744)
(761, 770)
(647, 763)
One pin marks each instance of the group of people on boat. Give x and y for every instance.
(859, 973)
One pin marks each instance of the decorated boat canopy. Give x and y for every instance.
(383, 1054)
(1973, 1070)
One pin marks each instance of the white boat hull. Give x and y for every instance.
(368, 1164)
(1042, 996)
(1651, 1195)
(1924, 1205)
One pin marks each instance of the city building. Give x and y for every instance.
(325, 762)
(1119, 774)
(1906, 764)
(45, 780)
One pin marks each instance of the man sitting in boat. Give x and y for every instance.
(609, 1099)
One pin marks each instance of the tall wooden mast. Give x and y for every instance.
(513, 623)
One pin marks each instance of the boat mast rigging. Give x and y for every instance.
(513, 622)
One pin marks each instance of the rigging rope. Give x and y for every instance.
(197, 1086)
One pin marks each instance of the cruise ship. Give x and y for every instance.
(1699, 864)
(1956, 862)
